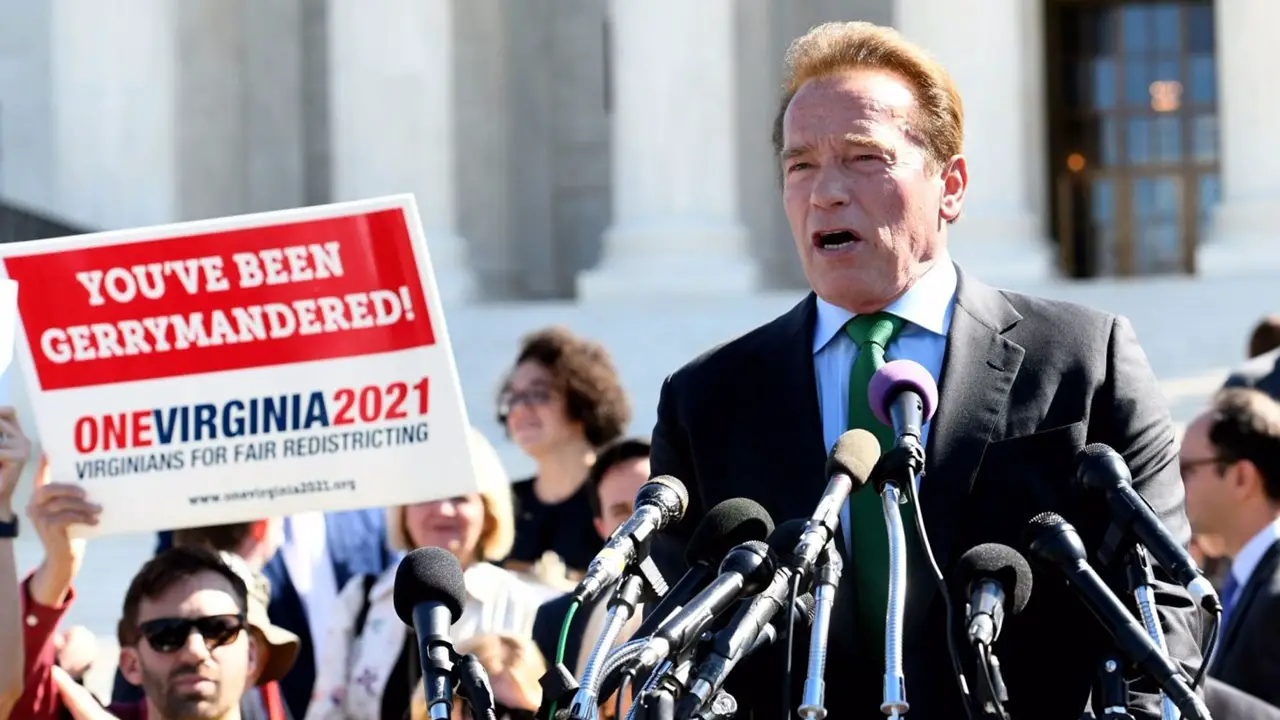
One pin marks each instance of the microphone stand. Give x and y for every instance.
(631, 590)
(826, 580)
(474, 687)
(897, 483)
(1112, 689)
(1138, 573)
(1138, 579)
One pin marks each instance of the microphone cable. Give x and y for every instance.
(786, 675)
(984, 656)
(564, 641)
(956, 667)
(1209, 649)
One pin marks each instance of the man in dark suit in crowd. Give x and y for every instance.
(319, 554)
(1262, 371)
(1230, 461)
(869, 138)
(620, 469)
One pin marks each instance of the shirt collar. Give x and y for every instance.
(927, 305)
(1246, 561)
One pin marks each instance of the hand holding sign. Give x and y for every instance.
(53, 510)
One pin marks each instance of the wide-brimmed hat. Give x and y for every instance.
(282, 645)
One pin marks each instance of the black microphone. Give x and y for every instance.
(997, 580)
(746, 570)
(848, 467)
(725, 526)
(429, 595)
(1100, 468)
(1055, 541)
(738, 638)
(660, 502)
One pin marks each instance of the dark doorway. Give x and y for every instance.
(1133, 135)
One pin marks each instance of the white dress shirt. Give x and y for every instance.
(306, 557)
(927, 308)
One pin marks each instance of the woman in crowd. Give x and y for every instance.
(514, 667)
(370, 660)
(561, 401)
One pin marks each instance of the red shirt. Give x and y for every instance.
(40, 698)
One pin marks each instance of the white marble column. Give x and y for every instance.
(676, 223)
(999, 237)
(1244, 236)
(392, 108)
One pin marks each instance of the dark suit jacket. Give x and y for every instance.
(1261, 373)
(357, 543)
(1248, 656)
(1026, 383)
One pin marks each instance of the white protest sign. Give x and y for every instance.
(246, 367)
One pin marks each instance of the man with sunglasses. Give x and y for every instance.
(184, 631)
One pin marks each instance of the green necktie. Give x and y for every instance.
(872, 334)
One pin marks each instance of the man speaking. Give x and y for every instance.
(869, 138)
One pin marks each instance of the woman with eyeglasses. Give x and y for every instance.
(561, 401)
(369, 664)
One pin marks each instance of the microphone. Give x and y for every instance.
(429, 595)
(660, 502)
(997, 580)
(1055, 541)
(848, 467)
(1100, 468)
(903, 395)
(746, 571)
(738, 638)
(726, 526)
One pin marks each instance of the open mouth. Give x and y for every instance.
(834, 239)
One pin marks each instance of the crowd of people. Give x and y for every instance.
(292, 617)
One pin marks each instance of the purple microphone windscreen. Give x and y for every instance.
(428, 574)
(895, 377)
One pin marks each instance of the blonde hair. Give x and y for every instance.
(832, 48)
(494, 488)
(499, 654)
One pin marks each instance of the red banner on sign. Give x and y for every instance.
(230, 300)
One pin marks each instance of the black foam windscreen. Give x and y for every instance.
(1002, 564)
(854, 454)
(429, 574)
(726, 526)
(784, 538)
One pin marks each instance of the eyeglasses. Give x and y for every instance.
(1187, 466)
(533, 397)
(166, 635)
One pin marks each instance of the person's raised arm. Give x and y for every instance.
(46, 595)
(15, 450)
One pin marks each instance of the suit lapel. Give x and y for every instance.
(793, 427)
(977, 373)
(1259, 579)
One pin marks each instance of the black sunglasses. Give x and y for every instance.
(166, 635)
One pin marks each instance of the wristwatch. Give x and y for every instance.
(9, 528)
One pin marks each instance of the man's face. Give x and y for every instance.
(1210, 505)
(867, 208)
(618, 488)
(185, 679)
